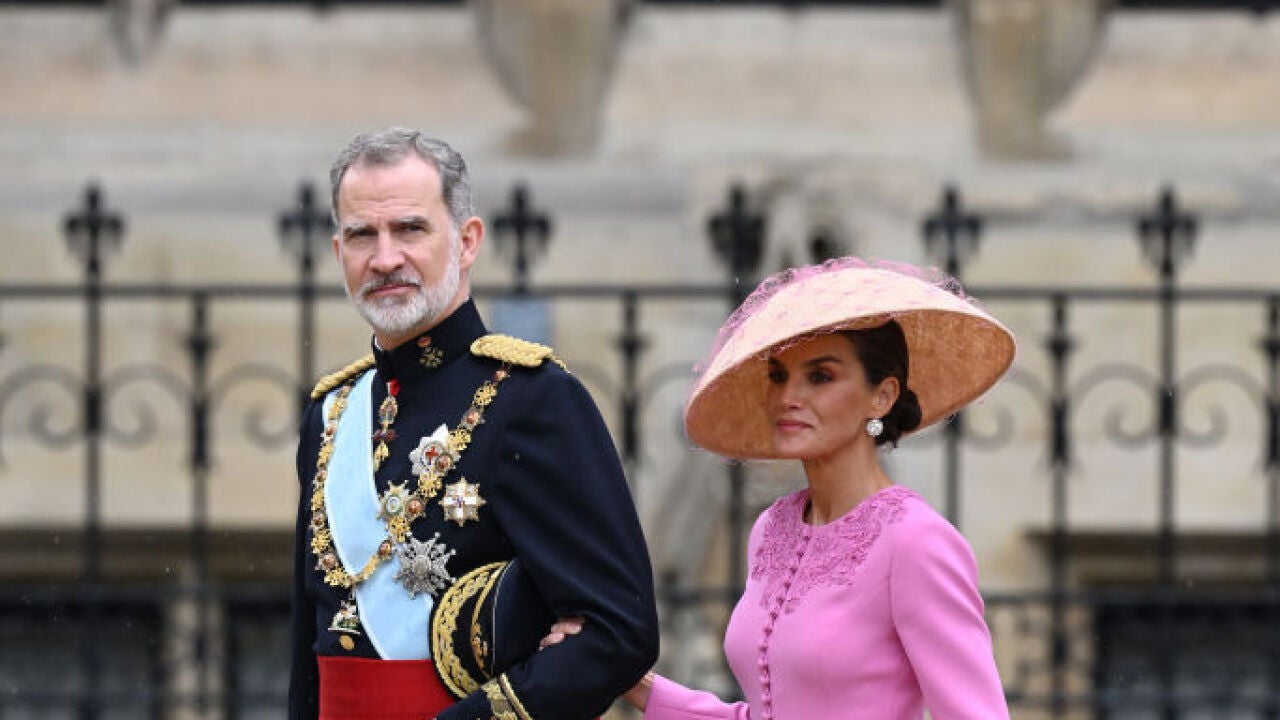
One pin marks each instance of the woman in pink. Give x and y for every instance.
(861, 602)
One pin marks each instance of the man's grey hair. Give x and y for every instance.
(388, 147)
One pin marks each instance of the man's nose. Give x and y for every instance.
(387, 257)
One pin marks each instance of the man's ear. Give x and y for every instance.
(471, 237)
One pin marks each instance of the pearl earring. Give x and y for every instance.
(875, 426)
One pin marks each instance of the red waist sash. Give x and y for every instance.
(367, 689)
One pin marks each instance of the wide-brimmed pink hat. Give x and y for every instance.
(956, 350)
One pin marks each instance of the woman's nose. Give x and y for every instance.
(789, 395)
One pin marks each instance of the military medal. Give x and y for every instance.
(462, 501)
(393, 509)
(431, 356)
(347, 622)
(432, 459)
(422, 566)
(386, 415)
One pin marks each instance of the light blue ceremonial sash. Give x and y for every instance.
(396, 624)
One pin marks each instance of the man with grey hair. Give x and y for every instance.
(459, 490)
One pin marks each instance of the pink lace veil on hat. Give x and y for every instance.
(956, 350)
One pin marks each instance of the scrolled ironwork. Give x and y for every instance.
(1218, 373)
(41, 415)
(1002, 433)
(991, 439)
(145, 424)
(1114, 422)
(255, 420)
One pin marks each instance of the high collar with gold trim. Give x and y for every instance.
(423, 355)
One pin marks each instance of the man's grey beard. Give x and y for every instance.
(396, 316)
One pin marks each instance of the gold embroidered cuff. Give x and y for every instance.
(503, 701)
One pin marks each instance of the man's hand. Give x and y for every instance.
(562, 628)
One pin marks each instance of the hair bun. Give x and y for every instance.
(903, 417)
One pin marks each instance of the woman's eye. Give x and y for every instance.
(818, 377)
(777, 377)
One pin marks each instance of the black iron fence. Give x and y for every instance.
(102, 642)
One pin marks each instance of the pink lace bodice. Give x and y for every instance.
(835, 559)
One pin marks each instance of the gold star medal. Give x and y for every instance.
(462, 501)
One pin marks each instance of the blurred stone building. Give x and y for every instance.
(1121, 484)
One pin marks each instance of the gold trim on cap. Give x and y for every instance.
(445, 623)
(481, 650)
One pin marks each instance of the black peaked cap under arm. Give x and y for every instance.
(560, 495)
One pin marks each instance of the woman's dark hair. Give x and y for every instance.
(883, 353)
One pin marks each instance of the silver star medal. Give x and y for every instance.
(422, 566)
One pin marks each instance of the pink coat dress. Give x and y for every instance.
(874, 616)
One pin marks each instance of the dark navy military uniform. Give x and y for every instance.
(554, 496)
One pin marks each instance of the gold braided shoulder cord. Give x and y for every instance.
(428, 484)
(346, 374)
(515, 351)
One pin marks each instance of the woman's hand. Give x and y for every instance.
(638, 695)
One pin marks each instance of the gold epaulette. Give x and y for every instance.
(514, 350)
(333, 380)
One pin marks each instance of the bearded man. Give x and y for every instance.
(459, 490)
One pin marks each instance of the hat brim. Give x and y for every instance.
(956, 352)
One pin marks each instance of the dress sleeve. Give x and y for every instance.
(304, 681)
(669, 700)
(672, 701)
(560, 497)
(938, 615)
